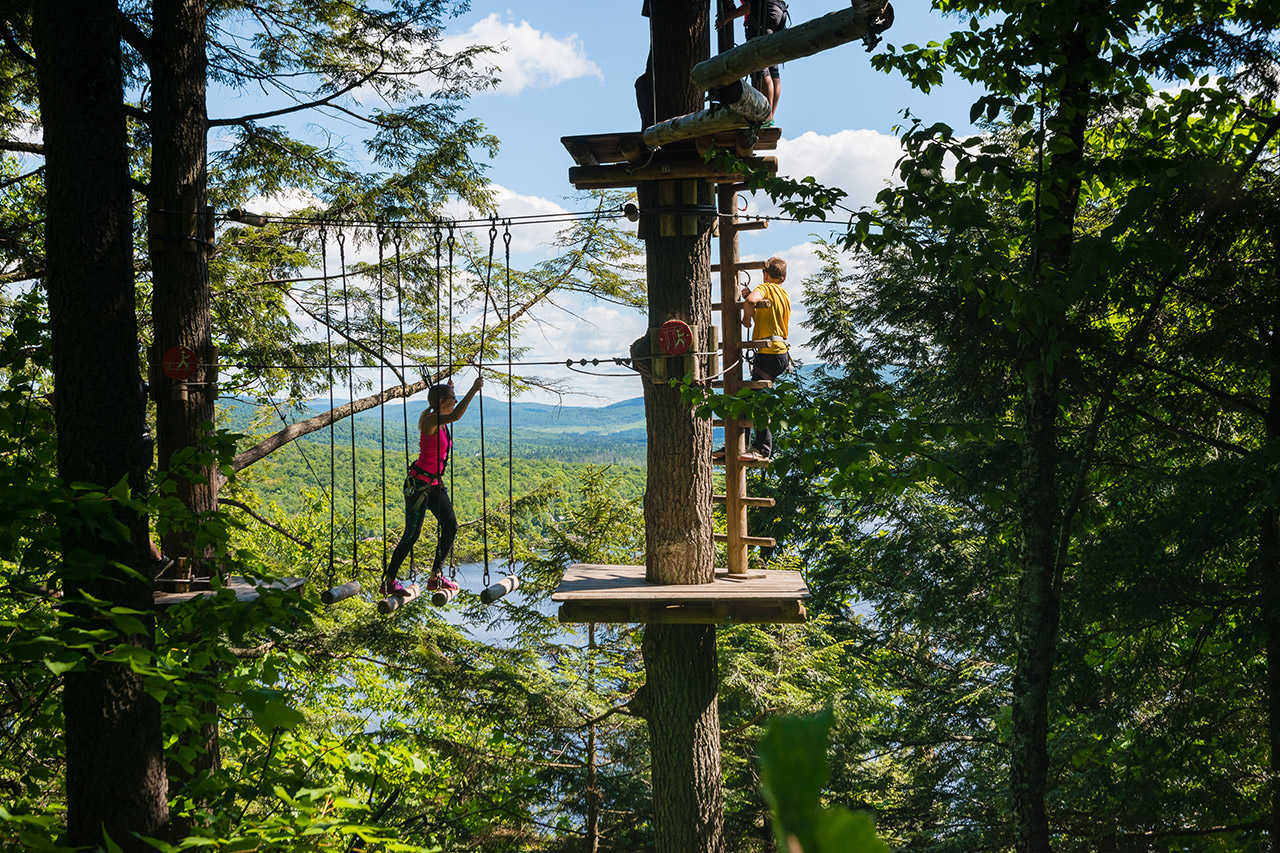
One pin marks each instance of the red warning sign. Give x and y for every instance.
(179, 363)
(675, 337)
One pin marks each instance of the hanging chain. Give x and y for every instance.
(453, 566)
(380, 236)
(351, 394)
(484, 485)
(328, 344)
(511, 506)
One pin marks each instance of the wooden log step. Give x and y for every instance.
(746, 500)
(753, 541)
(671, 167)
(754, 384)
(392, 603)
(742, 265)
(339, 593)
(746, 462)
(864, 18)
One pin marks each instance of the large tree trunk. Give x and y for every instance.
(1040, 504)
(1269, 575)
(179, 229)
(680, 660)
(115, 769)
(179, 232)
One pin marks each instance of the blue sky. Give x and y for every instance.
(568, 68)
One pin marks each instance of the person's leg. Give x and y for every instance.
(414, 512)
(766, 366)
(767, 82)
(775, 91)
(442, 508)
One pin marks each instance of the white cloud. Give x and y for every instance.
(858, 161)
(529, 57)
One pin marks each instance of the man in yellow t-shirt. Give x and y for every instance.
(768, 308)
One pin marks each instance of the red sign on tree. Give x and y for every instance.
(179, 363)
(675, 337)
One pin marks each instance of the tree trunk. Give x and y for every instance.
(179, 233)
(680, 660)
(1269, 575)
(1040, 505)
(115, 771)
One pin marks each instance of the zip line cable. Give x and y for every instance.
(484, 486)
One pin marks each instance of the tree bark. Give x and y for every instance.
(1269, 571)
(179, 257)
(115, 776)
(1040, 505)
(680, 660)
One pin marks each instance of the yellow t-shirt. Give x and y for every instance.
(774, 320)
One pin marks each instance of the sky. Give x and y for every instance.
(568, 68)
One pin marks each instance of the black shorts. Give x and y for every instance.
(770, 365)
(774, 20)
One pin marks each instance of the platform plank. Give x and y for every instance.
(590, 582)
(244, 590)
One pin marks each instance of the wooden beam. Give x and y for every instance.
(392, 603)
(745, 462)
(745, 424)
(493, 592)
(805, 39)
(753, 541)
(674, 167)
(752, 107)
(743, 265)
(751, 225)
(747, 500)
(340, 593)
(755, 384)
(791, 612)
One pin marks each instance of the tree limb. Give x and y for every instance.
(277, 528)
(319, 102)
(135, 37)
(22, 147)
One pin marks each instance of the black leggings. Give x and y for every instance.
(419, 498)
(767, 365)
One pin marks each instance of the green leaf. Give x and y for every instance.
(843, 831)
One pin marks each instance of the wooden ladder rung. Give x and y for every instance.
(755, 384)
(751, 225)
(755, 541)
(716, 306)
(746, 501)
(746, 462)
(718, 422)
(742, 265)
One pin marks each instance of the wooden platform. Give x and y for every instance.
(602, 593)
(595, 149)
(244, 590)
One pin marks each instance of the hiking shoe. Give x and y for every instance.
(441, 582)
(394, 587)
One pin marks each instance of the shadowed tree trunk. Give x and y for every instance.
(115, 770)
(680, 660)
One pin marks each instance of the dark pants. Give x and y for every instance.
(767, 366)
(419, 498)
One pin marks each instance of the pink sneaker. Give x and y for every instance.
(393, 588)
(441, 582)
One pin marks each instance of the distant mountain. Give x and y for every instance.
(604, 434)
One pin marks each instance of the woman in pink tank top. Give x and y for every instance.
(424, 487)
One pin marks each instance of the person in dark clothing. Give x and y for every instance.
(762, 18)
(424, 489)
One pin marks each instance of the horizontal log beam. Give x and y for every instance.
(687, 168)
(858, 22)
(722, 612)
(746, 500)
(751, 107)
(754, 541)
